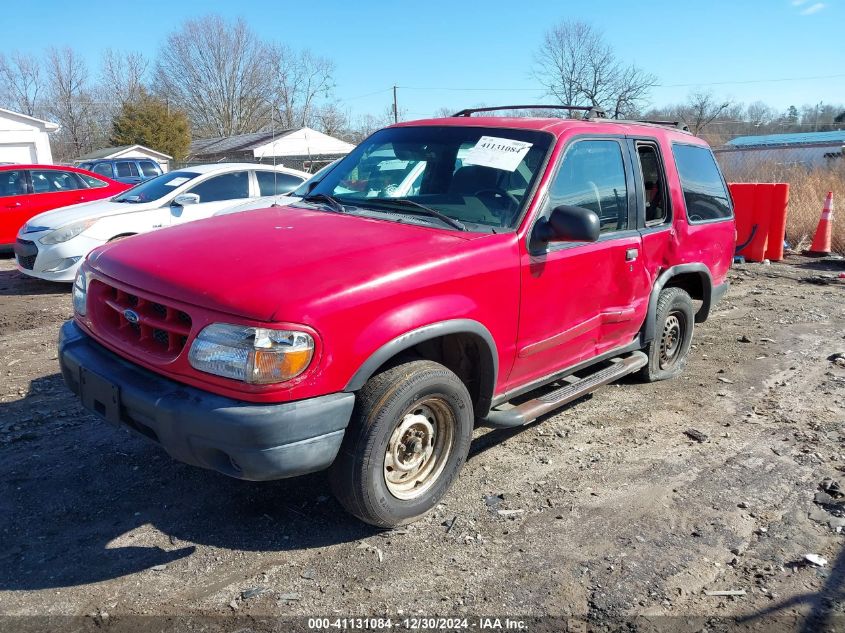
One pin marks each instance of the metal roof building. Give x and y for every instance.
(809, 149)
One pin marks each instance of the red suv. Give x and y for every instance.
(441, 271)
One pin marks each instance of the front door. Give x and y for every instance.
(14, 204)
(215, 193)
(581, 300)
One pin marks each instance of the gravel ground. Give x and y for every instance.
(606, 511)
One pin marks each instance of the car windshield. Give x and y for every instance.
(156, 188)
(477, 176)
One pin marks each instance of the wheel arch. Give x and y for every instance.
(476, 361)
(694, 278)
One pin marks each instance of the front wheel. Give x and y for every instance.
(408, 439)
(667, 352)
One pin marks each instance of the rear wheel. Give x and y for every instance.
(667, 352)
(408, 439)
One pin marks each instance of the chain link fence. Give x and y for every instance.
(810, 172)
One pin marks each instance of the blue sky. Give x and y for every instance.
(434, 50)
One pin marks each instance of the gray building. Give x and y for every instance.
(809, 149)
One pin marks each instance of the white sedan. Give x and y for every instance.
(52, 245)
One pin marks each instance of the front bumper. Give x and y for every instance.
(239, 439)
(41, 260)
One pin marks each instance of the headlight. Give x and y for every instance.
(80, 292)
(251, 354)
(67, 232)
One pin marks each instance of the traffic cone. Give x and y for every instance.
(821, 240)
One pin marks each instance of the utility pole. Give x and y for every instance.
(395, 107)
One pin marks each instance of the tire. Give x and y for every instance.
(375, 476)
(673, 328)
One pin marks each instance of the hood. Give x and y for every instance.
(86, 210)
(275, 264)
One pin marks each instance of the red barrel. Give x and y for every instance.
(760, 210)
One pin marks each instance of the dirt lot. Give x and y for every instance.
(605, 511)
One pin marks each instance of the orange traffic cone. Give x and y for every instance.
(821, 240)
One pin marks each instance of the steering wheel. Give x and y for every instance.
(498, 194)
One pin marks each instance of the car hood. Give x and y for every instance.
(85, 211)
(277, 264)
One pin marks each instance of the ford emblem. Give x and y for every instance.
(131, 316)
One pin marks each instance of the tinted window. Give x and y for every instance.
(157, 187)
(51, 181)
(704, 189)
(13, 183)
(225, 187)
(592, 176)
(103, 169)
(125, 169)
(653, 184)
(85, 166)
(149, 168)
(272, 183)
(91, 182)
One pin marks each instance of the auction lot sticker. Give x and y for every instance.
(498, 153)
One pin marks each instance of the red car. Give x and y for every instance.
(367, 329)
(27, 190)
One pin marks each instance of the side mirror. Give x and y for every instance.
(184, 199)
(569, 224)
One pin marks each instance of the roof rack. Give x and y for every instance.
(592, 112)
(676, 124)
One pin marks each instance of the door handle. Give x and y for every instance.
(13, 206)
(631, 254)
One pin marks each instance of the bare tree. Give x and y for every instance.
(700, 110)
(577, 67)
(332, 120)
(69, 101)
(299, 78)
(20, 82)
(122, 76)
(219, 73)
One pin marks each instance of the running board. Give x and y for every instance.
(527, 412)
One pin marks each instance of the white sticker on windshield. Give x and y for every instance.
(499, 153)
(178, 181)
(392, 165)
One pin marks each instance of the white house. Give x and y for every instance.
(128, 151)
(24, 139)
(301, 148)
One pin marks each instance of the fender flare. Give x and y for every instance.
(664, 278)
(488, 372)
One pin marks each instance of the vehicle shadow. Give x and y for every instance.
(824, 604)
(13, 282)
(86, 502)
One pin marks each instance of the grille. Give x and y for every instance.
(26, 261)
(149, 325)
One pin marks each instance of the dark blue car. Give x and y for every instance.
(130, 170)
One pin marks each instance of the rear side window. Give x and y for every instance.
(225, 187)
(592, 176)
(90, 181)
(104, 169)
(276, 183)
(149, 168)
(705, 193)
(126, 169)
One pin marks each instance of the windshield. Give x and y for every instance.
(156, 188)
(475, 175)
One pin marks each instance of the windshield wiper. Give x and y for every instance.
(331, 201)
(415, 208)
